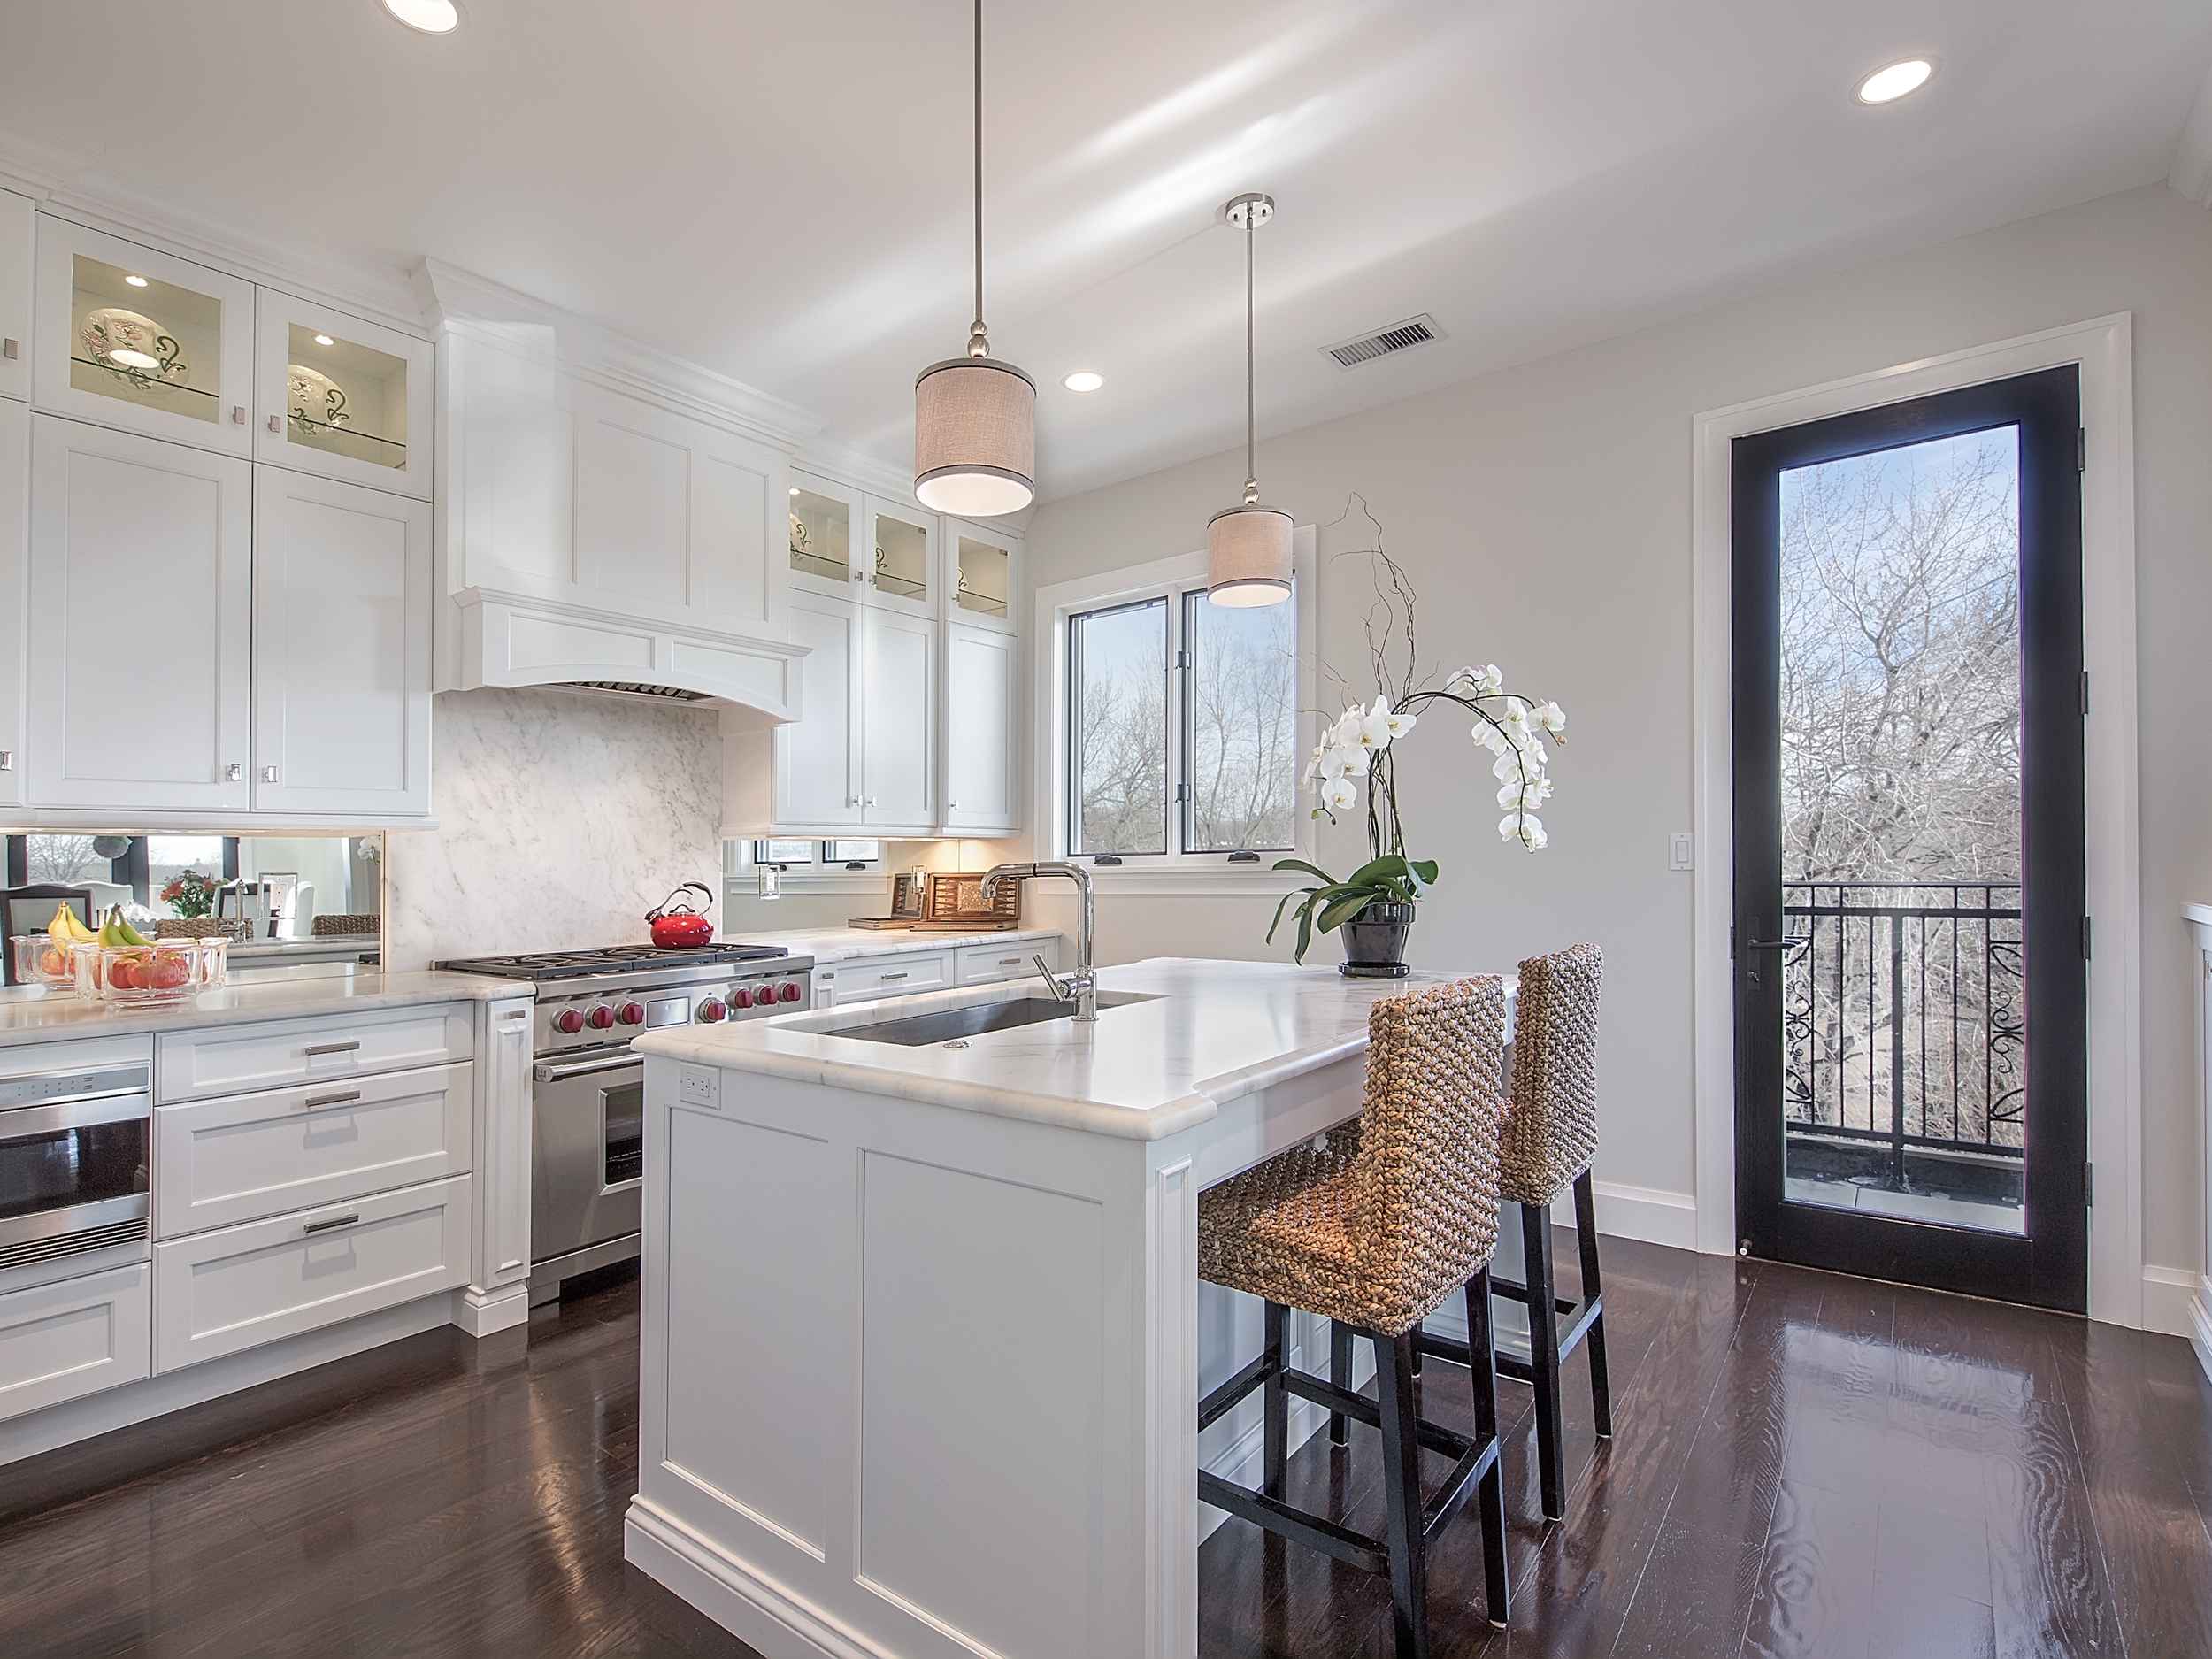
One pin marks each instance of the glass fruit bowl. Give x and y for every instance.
(40, 961)
(167, 971)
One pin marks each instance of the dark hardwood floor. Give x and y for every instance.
(1805, 1465)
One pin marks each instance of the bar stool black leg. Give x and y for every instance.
(1586, 1243)
(1402, 1494)
(1543, 1342)
(1490, 1492)
(1277, 1399)
(1340, 1374)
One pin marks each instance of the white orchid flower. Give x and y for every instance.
(1491, 738)
(1550, 716)
(1525, 828)
(1346, 731)
(1515, 720)
(1518, 796)
(1337, 793)
(1489, 681)
(1509, 765)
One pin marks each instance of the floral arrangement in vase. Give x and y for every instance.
(190, 894)
(1357, 755)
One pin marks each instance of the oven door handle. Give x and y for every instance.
(22, 1122)
(547, 1072)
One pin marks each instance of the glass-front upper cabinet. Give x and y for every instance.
(901, 568)
(823, 516)
(340, 396)
(132, 337)
(984, 575)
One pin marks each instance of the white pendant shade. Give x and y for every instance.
(1247, 556)
(975, 444)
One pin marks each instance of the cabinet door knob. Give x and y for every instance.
(7, 760)
(237, 414)
(10, 349)
(268, 774)
(870, 801)
(232, 773)
(276, 423)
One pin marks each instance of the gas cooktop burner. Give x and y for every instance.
(576, 965)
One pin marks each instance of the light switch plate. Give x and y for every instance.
(699, 1086)
(1680, 853)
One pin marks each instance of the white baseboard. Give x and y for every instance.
(1649, 1215)
(76, 1420)
(483, 1313)
(752, 1607)
(2168, 1296)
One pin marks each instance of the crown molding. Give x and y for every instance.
(452, 297)
(2191, 173)
(861, 470)
(53, 180)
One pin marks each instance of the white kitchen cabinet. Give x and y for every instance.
(138, 623)
(238, 1287)
(500, 1252)
(245, 1158)
(983, 576)
(1014, 959)
(340, 396)
(864, 979)
(342, 671)
(898, 723)
(674, 511)
(294, 1053)
(17, 235)
(131, 337)
(981, 748)
(818, 758)
(842, 541)
(15, 524)
(74, 1337)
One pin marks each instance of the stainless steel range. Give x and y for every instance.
(587, 1089)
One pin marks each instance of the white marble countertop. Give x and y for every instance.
(1211, 1032)
(829, 946)
(34, 1013)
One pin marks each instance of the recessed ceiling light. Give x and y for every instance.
(794, 489)
(432, 16)
(1888, 84)
(324, 340)
(136, 281)
(1084, 380)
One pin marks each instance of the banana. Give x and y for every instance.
(78, 931)
(65, 930)
(131, 935)
(111, 928)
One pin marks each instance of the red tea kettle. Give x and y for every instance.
(676, 923)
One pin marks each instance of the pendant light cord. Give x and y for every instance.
(978, 342)
(1251, 471)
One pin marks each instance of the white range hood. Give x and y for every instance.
(609, 519)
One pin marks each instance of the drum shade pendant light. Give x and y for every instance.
(1248, 547)
(975, 418)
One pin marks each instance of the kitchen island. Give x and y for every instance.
(923, 1334)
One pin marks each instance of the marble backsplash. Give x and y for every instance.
(562, 819)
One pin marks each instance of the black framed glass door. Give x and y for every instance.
(1909, 944)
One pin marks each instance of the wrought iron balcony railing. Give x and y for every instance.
(1902, 1017)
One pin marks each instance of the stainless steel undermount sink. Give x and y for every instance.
(945, 1024)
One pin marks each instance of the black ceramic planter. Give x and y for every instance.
(1375, 942)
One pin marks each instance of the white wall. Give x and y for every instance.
(1544, 511)
(563, 819)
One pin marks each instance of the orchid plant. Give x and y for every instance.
(1360, 746)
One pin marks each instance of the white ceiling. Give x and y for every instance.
(780, 192)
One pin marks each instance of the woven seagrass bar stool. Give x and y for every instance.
(1551, 1135)
(1373, 1227)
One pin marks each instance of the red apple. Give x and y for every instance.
(168, 973)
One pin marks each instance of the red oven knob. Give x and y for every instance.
(741, 996)
(631, 1013)
(568, 1022)
(711, 1010)
(788, 993)
(601, 1018)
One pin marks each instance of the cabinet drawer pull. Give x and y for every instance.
(1009, 962)
(331, 1047)
(333, 1225)
(338, 1099)
(888, 977)
(7, 760)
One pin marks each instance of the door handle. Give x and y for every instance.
(276, 424)
(1788, 941)
(588, 1068)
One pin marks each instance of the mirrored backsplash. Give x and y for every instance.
(282, 899)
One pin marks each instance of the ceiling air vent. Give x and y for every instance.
(637, 688)
(1415, 331)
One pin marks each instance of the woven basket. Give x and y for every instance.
(355, 925)
(201, 927)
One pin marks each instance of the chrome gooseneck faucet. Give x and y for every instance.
(1081, 986)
